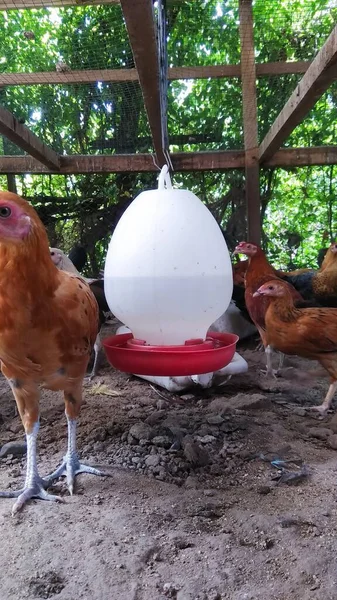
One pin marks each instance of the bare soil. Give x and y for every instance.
(195, 508)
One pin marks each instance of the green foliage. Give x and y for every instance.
(204, 114)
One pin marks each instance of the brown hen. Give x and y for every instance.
(307, 332)
(48, 325)
(258, 272)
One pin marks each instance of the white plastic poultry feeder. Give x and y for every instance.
(168, 277)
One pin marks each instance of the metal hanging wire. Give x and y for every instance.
(163, 79)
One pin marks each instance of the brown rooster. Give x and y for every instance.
(258, 272)
(307, 332)
(48, 326)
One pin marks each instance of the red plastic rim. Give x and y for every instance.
(190, 345)
(130, 355)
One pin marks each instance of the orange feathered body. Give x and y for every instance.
(307, 332)
(259, 271)
(48, 327)
(48, 318)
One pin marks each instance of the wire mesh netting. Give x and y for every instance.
(291, 30)
(68, 72)
(105, 115)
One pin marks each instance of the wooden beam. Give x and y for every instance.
(182, 161)
(317, 79)
(248, 75)
(27, 140)
(22, 4)
(303, 157)
(75, 164)
(120, 75)
(69, 77)
(222, 71)
(140, 23)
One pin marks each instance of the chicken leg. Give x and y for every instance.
(97, 351)
(326, 404)
(27, 400)
(71, 466)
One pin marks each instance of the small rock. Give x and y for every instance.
(194, 453)
(141, 431)
(217, 470)
(332, 441)
(321, 433)
(300, 412)
(333, 423)
(131, 440)
(214, 419)
(219, 406)
(155, 417)
(135, 413)
(97, 447)
(191, 482)
(163, 441)
(152, 460)
(161, 404)
(206, 439)
(15, 472)
(209, 492)
(187, 397)
(15, 427)
(263, 490)
(170, 590)
(247, 401)
(205, 429)
(99, 434)
(14, 448)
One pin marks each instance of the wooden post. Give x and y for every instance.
(248, 77)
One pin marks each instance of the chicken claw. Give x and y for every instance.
(35, 490)
(269, 372)
(35, 486)
(321, 409)
(327, 402)
(71, 466)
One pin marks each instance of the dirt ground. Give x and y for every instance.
(195, 508)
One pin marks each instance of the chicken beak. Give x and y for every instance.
(257, 294)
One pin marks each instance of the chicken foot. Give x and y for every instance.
(326, 404)
(270, 371)
(34, 486)
(71, 466)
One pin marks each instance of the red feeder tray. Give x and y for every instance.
(195, 357)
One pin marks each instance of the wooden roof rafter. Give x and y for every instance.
(319, 76)
(23, 4)
(140, 23)
(119, 75)
(220, 160)
(27, 140)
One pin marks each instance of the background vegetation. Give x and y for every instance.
(298, 205)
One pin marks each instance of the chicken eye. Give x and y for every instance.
(5, 212)
(52, 254)
(270, 287)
